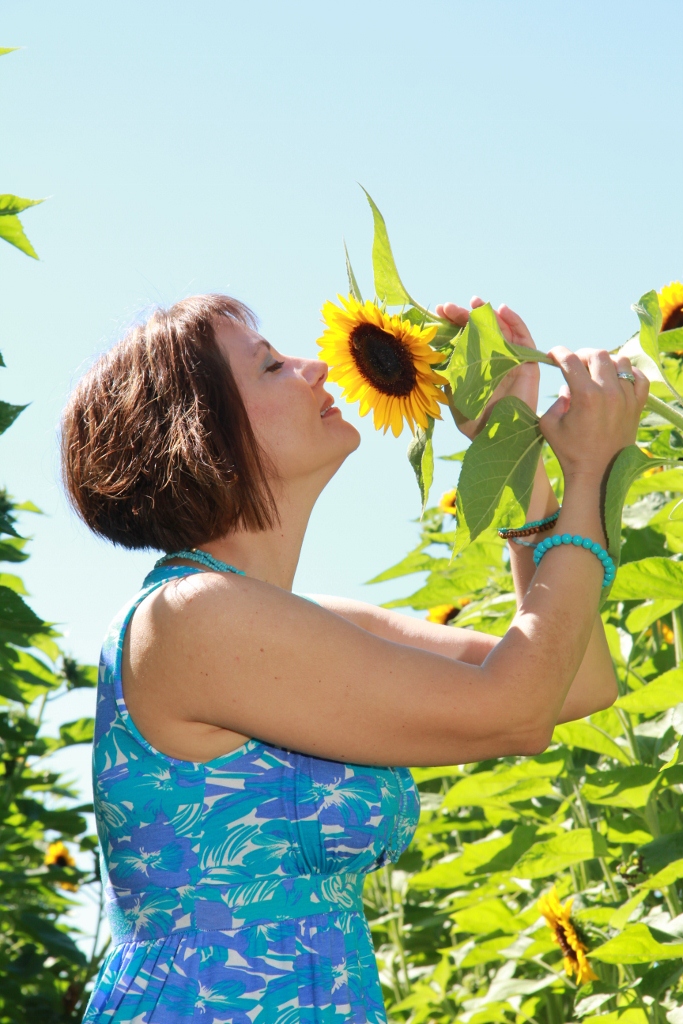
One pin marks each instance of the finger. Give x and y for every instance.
(520, 331)
(602, 368)
(573, 368)
(476, 302)
(456, 314)
(550, 419)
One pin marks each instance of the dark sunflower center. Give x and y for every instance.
(564, 943)
(673, 320)
(61, 861)
(383, 360)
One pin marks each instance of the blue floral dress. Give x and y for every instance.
(234, 886)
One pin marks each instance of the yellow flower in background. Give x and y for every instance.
(564, 934)
(58, 856)
(384, 362)
(671, 305)
(447, 502)
(442, 613)
(668, 634)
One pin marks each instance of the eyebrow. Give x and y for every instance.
(265, 343)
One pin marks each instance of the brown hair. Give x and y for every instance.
(157, 448)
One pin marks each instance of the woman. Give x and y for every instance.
(243, 732)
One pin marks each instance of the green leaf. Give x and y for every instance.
(668, 480)
(497, 475)
(388, 285)
(583, 734)
(654, 578)
(478, 788)
(416, 561)
(662, 693)
(636, 945)
(12, 231)
(497, 854)
(55, 941)
(621, 787)
(8, 414)
(10, 205)
(353, 284)
(7, 49)
(489, 916)
(660, 852)
(671, 341)
(421, 458)
(560, 852)
(80, 731)
(667, 876)
(645, 614)
(628, 465)
(18, 623)
(650, 316)
(620, 917)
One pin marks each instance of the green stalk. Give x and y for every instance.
(677, 616)
(664, 410)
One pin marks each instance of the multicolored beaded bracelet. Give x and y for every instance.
(580, 542)
(537, 526)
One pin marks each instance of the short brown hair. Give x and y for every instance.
(157, 448)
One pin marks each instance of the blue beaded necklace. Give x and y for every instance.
(202, 557)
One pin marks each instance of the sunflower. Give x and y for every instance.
(443, 614)
(383, 361)
(447, 502)
(671, 305)
(564, 934)
(58, 856)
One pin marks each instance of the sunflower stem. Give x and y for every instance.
(664, 410)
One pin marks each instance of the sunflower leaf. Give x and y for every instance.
(353, 284)
(388, 285)
(12, 231)
(421, 458)
(497, 475)
(481, 358)
(650, 316)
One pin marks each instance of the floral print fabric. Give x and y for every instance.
(234, 886)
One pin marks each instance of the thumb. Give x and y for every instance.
(550, 420)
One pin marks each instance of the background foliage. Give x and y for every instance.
(457, 926)
(43, 972)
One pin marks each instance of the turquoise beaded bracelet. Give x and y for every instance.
(580, 542)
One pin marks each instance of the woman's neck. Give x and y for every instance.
(269, 555)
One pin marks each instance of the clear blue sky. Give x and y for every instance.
(528, 151)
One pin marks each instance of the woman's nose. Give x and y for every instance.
(315, 371)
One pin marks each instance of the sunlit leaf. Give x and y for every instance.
(12, 231)
(628, 465)
(497, 854)
(654, 578)
(671, 341)
(636, 945)
(497, 475)
(560, 852)
(621, 787)
(619, 918)
(645, 614)
(667, 876)
(663, 692)
(480, 360)
(80, 731)
(583, 734)
(489, 916)
(421, 458)
(667, 480)
(388, 285)
(353, 284)
(650, 316)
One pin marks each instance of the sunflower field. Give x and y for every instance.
(548, 888)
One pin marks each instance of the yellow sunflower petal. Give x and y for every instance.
(671, 305)
(373, 355)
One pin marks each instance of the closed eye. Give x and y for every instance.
(274, 367)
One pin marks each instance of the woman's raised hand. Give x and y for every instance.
(597, 412)
(522, 382)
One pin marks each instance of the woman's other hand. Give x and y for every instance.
(522, 382)
(596, 414)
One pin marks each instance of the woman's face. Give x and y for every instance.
(293, 417)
